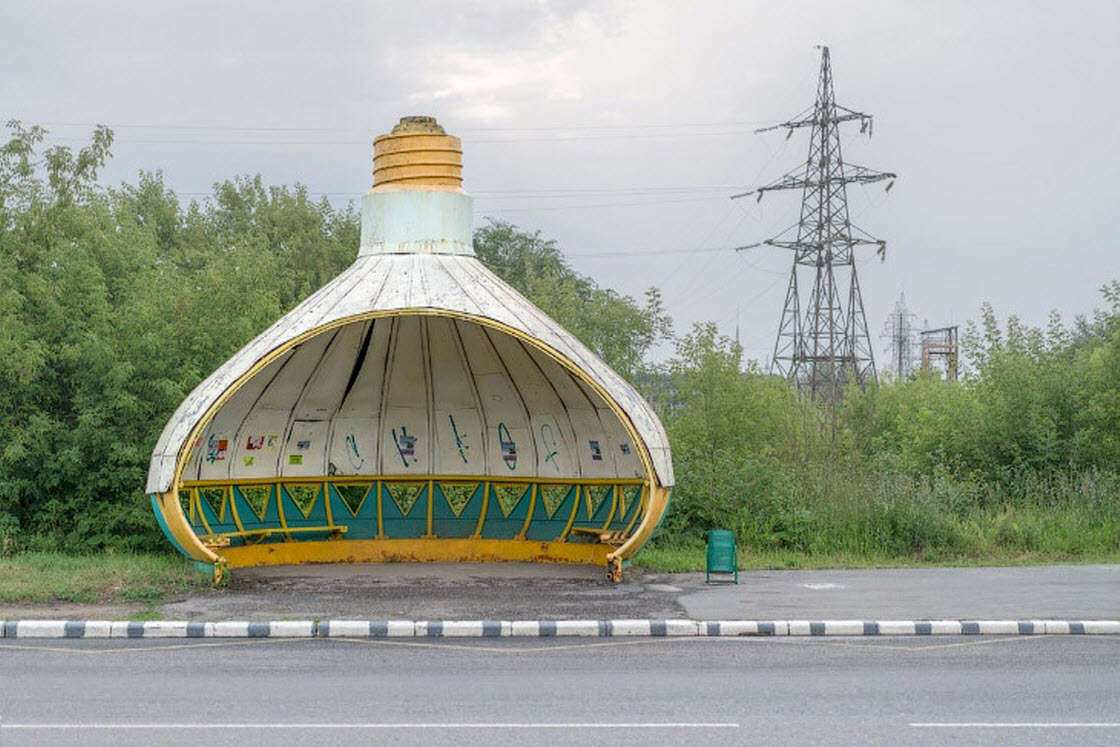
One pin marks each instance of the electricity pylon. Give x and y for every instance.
(899, 331)
(824, 346)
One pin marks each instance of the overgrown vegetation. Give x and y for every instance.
(116, 302)
(142, 580)
(1016, 460)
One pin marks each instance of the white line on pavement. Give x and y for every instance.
(1019, 725)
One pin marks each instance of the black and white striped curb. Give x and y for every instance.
(544, 628)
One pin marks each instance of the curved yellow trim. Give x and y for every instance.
(172, 511)
(658, 504)
(268, 358)
(649, 520)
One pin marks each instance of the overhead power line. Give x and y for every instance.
(655, 252)
(625, 127)
(210, 134)
(537, 194)
(558, 138)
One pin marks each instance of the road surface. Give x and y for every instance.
(886, 691)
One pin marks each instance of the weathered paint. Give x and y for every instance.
(390, 222)
(417, 155)
(442, 550)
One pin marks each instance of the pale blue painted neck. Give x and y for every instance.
(417, 221)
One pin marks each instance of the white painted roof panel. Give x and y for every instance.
(394, 283)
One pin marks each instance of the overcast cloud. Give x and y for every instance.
(620, 129)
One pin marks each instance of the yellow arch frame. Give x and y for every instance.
(658, 495)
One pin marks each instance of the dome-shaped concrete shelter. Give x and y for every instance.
(414, 408)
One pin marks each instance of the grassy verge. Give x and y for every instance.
(145, 580)
(141, 579)
(861, 515)
(690, 556)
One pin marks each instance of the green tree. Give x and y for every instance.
(1026, 388)
(731, 433)
(927, 423)
(114, 304)
(1097, 441)
(311, 242)
(617, 328)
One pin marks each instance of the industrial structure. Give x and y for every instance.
(899, 332)
(822, 343)
(940, 352)
(414, 408)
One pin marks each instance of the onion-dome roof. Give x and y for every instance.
(387, 284)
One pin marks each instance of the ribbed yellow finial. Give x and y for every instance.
(417, 154)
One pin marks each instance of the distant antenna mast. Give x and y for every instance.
(826, 345)
(899, 331)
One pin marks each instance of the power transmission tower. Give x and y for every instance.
(824, 345)
(899, 331)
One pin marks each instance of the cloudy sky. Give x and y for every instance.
(620, 129)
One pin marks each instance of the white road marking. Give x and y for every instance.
(422, 725)
(818, 587)
(1020, 725)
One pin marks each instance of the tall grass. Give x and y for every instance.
(120, 578)
(876, 514)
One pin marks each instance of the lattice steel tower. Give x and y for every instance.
(824, 344)
(899, 331)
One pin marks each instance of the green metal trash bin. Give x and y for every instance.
(723, 556)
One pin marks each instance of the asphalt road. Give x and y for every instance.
(990, 690)
(1023, 593)
(524, 591)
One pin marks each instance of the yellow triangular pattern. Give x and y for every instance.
(407, 490)
(457, 496)
(257, 496)
(594, 495)
(635, 497)
(218, 496)
(509, 496)
(304, 496)
(552, 496)
(346, 493)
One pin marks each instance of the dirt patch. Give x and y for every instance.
(69, 611)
